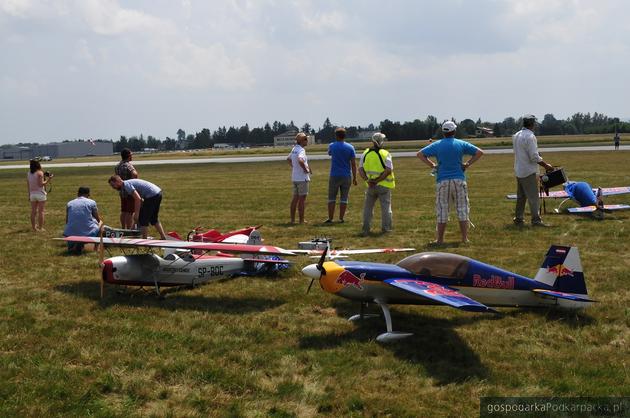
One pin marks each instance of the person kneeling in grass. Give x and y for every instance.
(82, 219)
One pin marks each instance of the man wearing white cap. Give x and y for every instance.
(376, 168)
(451, 180)
(526, 162)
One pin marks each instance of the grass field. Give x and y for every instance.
(262, 347)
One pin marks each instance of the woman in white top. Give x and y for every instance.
(35, 182)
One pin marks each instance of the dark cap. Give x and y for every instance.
(83, 190)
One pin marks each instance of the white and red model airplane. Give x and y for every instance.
(182, 267)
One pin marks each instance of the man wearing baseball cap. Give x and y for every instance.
(526, 162)
(450, 178)
(376, 168)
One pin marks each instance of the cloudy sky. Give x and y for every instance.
(105, 68)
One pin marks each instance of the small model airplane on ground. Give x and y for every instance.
(589, 199)
(181, 266)
(436, 278)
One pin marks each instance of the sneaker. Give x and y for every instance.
(328, 221)
(341, 221)
(518, 222)
(540, 224)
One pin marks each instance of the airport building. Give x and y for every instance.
(59, 150)
(287, 139)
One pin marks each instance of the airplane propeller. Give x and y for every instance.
(320, 268)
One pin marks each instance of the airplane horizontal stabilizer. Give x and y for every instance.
(610, 191)
(440, 294)
(562, 295)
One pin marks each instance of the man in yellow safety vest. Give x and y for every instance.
(377, 169)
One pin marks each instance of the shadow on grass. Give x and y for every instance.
(173, 301)
(434, 344)
(572, 319)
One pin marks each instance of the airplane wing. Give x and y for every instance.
(562, 295)
(185, 245)
(439, 293)
(609, 191)
(556, 194)
(345, 253)
(590, 209)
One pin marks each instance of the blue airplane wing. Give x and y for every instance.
(439, 293)
(589, 209)
(562, 295)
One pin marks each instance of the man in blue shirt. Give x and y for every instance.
(343, 170)
(450, 178)
(82, 219)
(147, 199)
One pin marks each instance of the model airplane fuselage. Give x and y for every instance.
(454, 280)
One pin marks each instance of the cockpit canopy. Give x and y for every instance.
(445, 265)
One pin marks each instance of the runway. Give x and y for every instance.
(311, 157)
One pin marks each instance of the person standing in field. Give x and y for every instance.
(147, 198)
(300, 176)
(377, 169)
(616, 139)
(526, 162)
(36, 182)
(451, 179)
(343, 173)
(126, 171)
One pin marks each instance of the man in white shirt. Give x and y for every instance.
(526, 162)
(300, 176)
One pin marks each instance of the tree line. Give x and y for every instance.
(579, 123)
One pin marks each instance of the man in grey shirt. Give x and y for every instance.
(526, 162)
(147, 197)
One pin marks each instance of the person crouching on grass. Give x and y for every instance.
(300, 176)
(451, 180)
(82, 219)
(147, 199)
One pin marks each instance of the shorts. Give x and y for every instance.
(448, 191)
(127, 203)
(149, 210)
(300, 188)
(38, 197)
(336, 184)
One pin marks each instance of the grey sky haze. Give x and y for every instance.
(105, 68)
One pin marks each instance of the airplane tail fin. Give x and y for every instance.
(562, 269)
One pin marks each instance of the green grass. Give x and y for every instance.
(260, 346)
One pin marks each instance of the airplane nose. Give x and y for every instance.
(311, 271)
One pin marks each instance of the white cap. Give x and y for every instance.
(449, 126)
(378, 138)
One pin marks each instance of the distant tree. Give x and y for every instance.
(153, 142)
(467, 127)
(169, 144)
(497, 129)
(306, 127)
(550, 125)
(181, 135)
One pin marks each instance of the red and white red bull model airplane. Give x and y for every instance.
(182, 266)
(589, 199)
(435, 278)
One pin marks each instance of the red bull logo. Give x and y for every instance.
(346, 279)
(436, 289)
(560, 270)
(494, 282)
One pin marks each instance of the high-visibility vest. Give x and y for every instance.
(374, 165)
